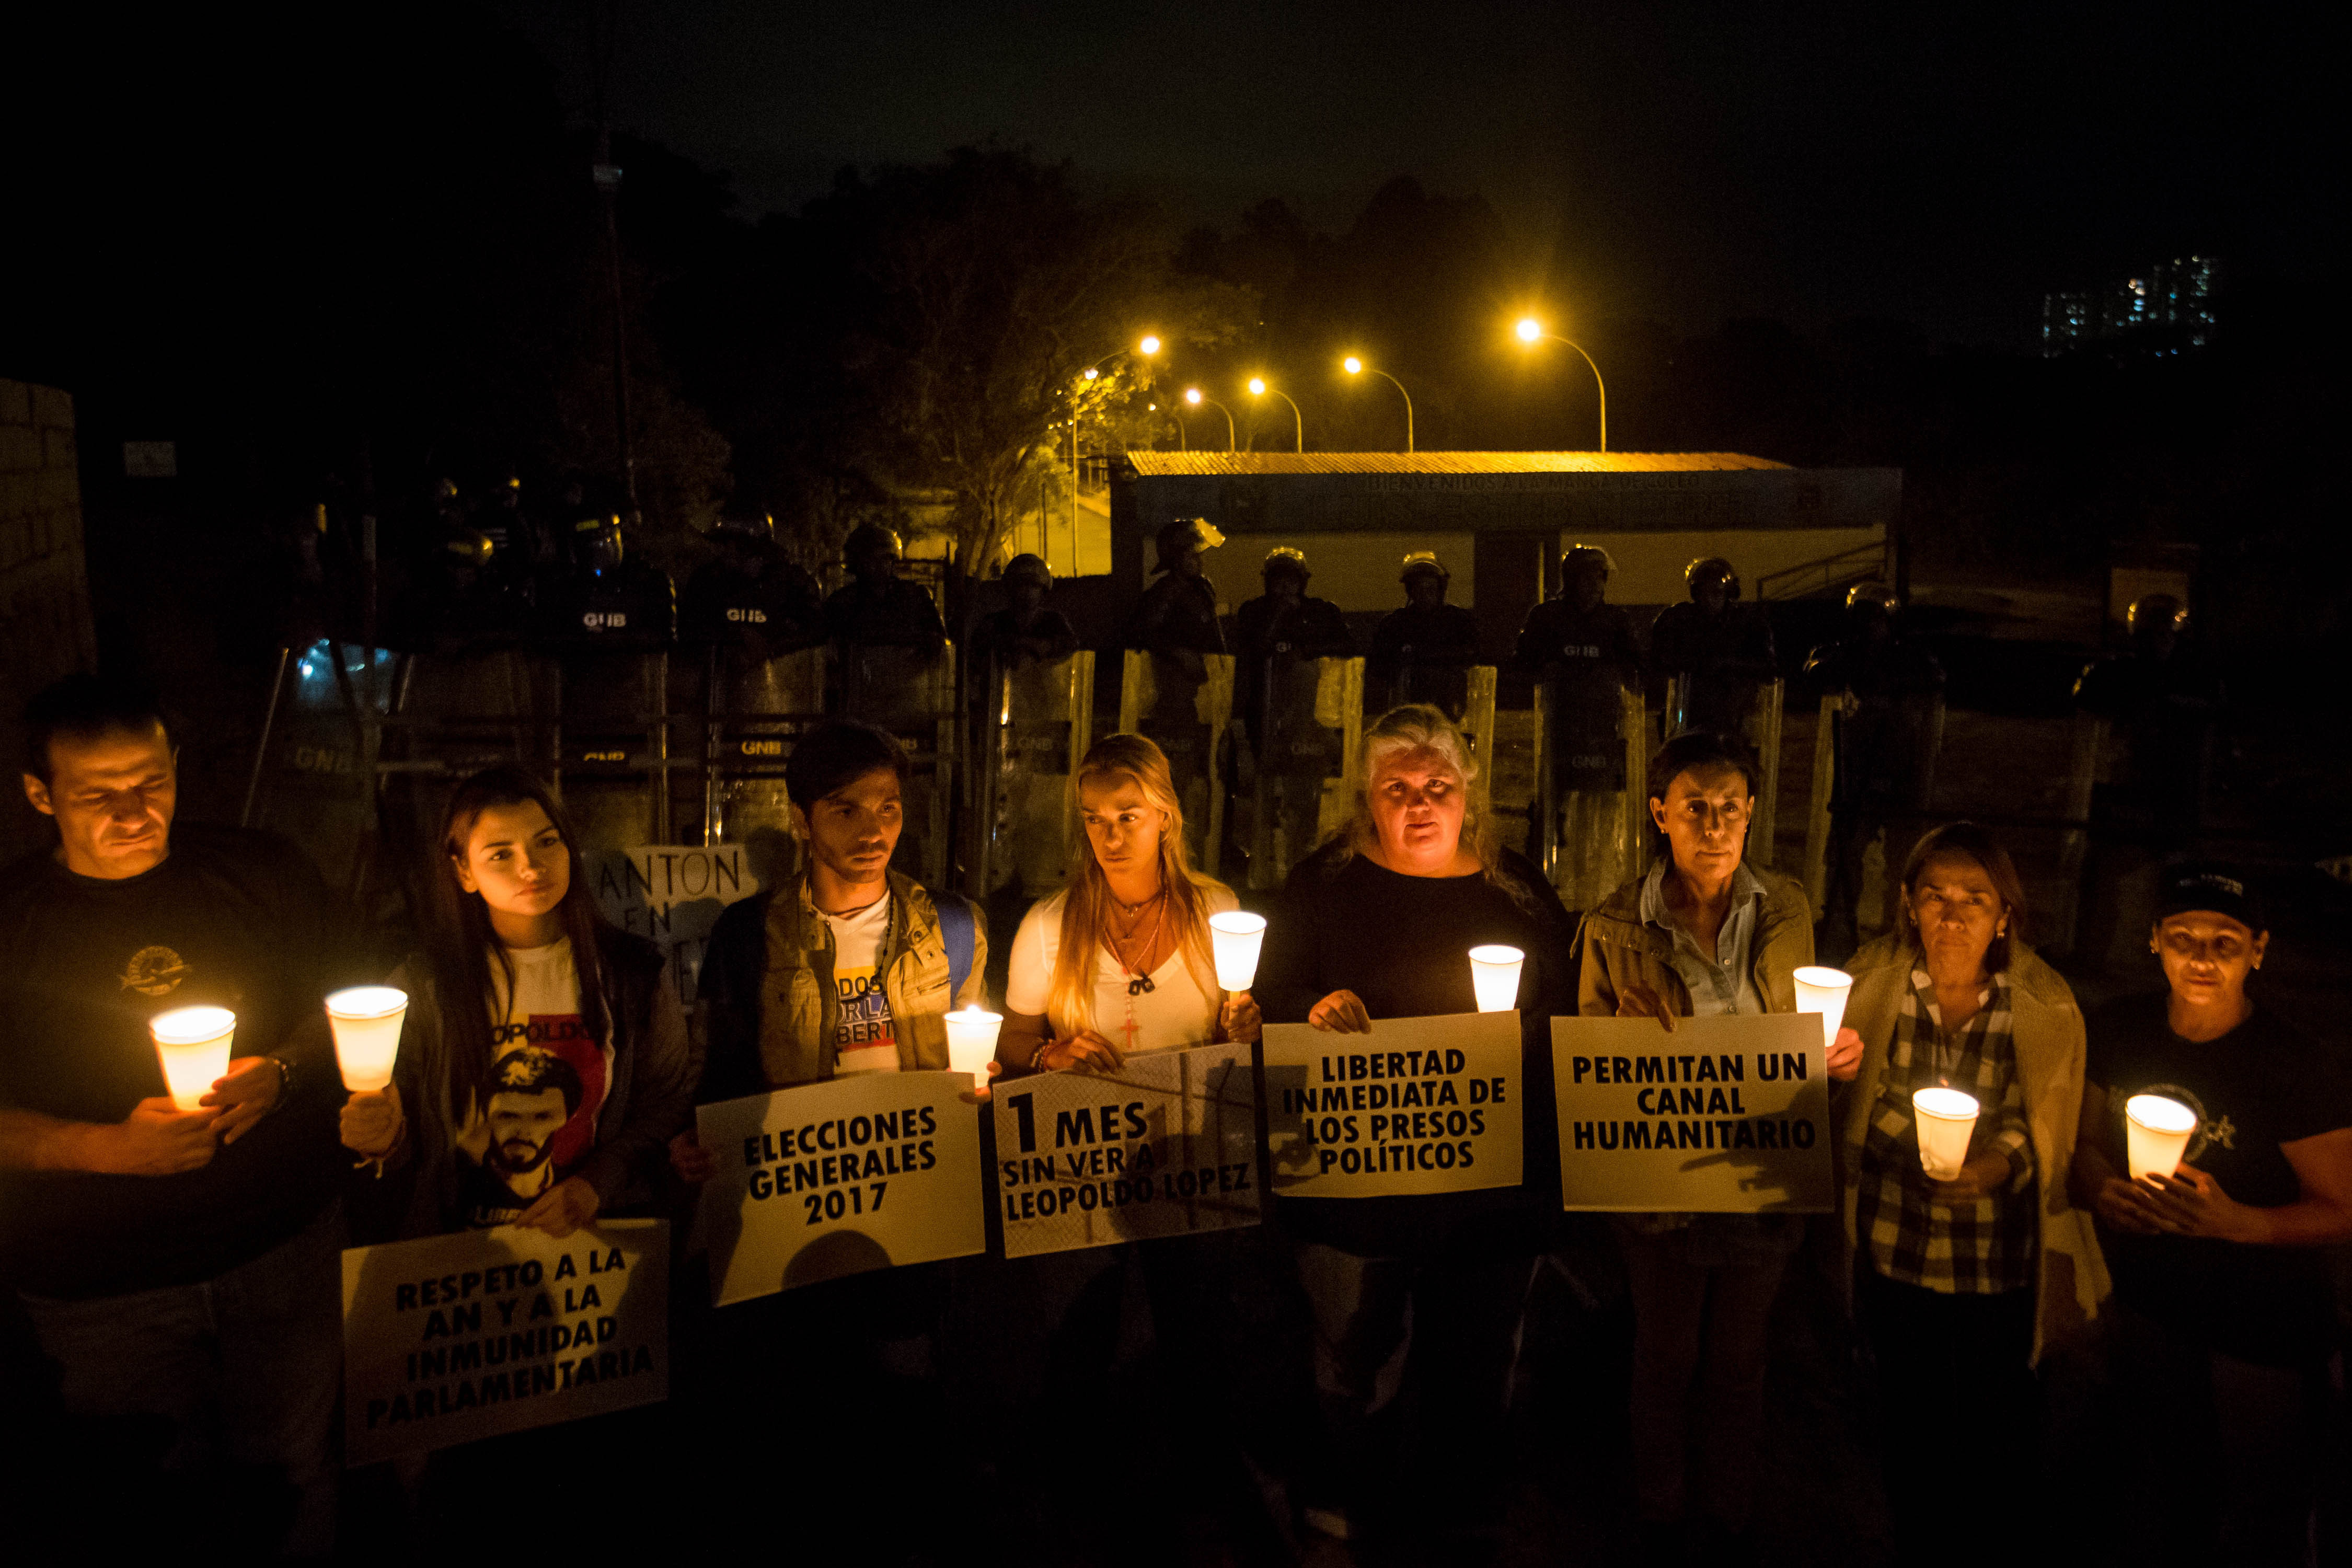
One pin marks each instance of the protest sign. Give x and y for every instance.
(673, 894)
(1419, 1105)
(1164, 1145)
(1724, 1115)
(872, 1172)
(451, 1338)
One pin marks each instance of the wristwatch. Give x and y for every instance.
(286, 1075)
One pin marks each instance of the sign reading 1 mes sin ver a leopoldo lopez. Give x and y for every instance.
(1724, 1115)
(872, 1172)
(1166, 1144)
(447, 1339)
(1419, 1105)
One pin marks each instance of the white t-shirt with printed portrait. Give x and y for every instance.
(1175, 1015)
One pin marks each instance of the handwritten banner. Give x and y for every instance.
(449, 1338)
(873, 1172)
(1419, 1105)
(673, 894)
(1725, 1115)
(1166, 1145)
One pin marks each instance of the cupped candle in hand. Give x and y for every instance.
(2156, 1131)
(1823, 990)
(1947, 1118)
(192, 1045)
(1495, 976)
(1235, 937)
(972, 1041)
(366, 1020)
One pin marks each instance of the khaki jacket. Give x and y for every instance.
(2046, 1027)
(799, 1009)
(1614, 949)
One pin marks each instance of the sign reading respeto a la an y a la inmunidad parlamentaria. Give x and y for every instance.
(1165, 1144)
(1419, 1105)
(447, 1339)
(872, 1172)
(1724, 1115)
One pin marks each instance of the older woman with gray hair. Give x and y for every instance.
(1377, 924)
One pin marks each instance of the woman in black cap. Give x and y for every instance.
(2222, 1322)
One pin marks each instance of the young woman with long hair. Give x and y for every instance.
(544, 1063)
(1119, 960)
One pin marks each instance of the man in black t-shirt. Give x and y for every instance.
(180, 1264)
(2223, 1321)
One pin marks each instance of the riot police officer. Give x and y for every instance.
(1888, 733)
(1584, 651)
(1027, 630)
(2161, 705)
(880, 608)
(610, 596)
(1720, 650)
(1284, 624)
(752, 596)
(1419, 651)
(1177, 620)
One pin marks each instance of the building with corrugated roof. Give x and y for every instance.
(1500, 520)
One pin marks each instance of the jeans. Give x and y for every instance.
(2245, 1438)
(1954, 1386)
(1447, 1319)
(1699, 1374)
(246, 1366)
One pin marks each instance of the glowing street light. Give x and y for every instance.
(1258, 388)
(1192, 395)
(1531, 332)
(1355, 367)
(1145, 349)
(1148, 346)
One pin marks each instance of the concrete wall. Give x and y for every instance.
(45, 626)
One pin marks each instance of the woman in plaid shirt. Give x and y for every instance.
(1961, 1283)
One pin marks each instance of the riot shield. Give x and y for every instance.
(753, 708)
(1033, 734)
(1591, 804)
(1476, 720)
(613, 744)
(912, 694)
(1186, 714)
(1873, 772)
(1309, 735)
(315, 777)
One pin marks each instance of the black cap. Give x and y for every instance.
(2212, 885)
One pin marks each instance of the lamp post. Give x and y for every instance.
(1146, 346)
(1531, 332)
(1355, 367)
(1258, 388)
(1192, 395)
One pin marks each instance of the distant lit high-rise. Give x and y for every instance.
(2166, 310)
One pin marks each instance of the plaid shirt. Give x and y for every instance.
(1981, 1248)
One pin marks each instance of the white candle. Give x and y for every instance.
(1235, 937)
(972, 1041)
(1823, 990)
(1495, 976)
(2156, 1134)
(366, 1020)
(193, 1043)
(1945, 1118)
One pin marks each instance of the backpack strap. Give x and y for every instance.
(959, 926)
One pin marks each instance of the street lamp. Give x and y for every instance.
(1258, 388)
(1531, 332)
(1355, 367)
(1192, 395)
(1145, 349)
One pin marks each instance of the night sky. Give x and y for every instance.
(1944, 165)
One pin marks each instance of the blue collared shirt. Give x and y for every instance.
(1723, 982)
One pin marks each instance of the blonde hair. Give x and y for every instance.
(1420, 727)
(1086, 896)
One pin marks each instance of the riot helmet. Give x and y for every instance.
(872, 551)
(1584, 571)
(1712, 583)
(1030, 568)
(2156, 622)
(755, 526)
(1184, 538)
(1424, 578)
(596, 544)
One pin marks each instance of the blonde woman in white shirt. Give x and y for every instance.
(1119, 962)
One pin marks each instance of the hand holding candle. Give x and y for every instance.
(972, 1042)
(1823, 990)
(192, 1045)
(2156, 1134)
(1495, 977)
(1947, 1120)
(366, 1020)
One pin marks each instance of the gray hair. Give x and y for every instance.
(1420, 727)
